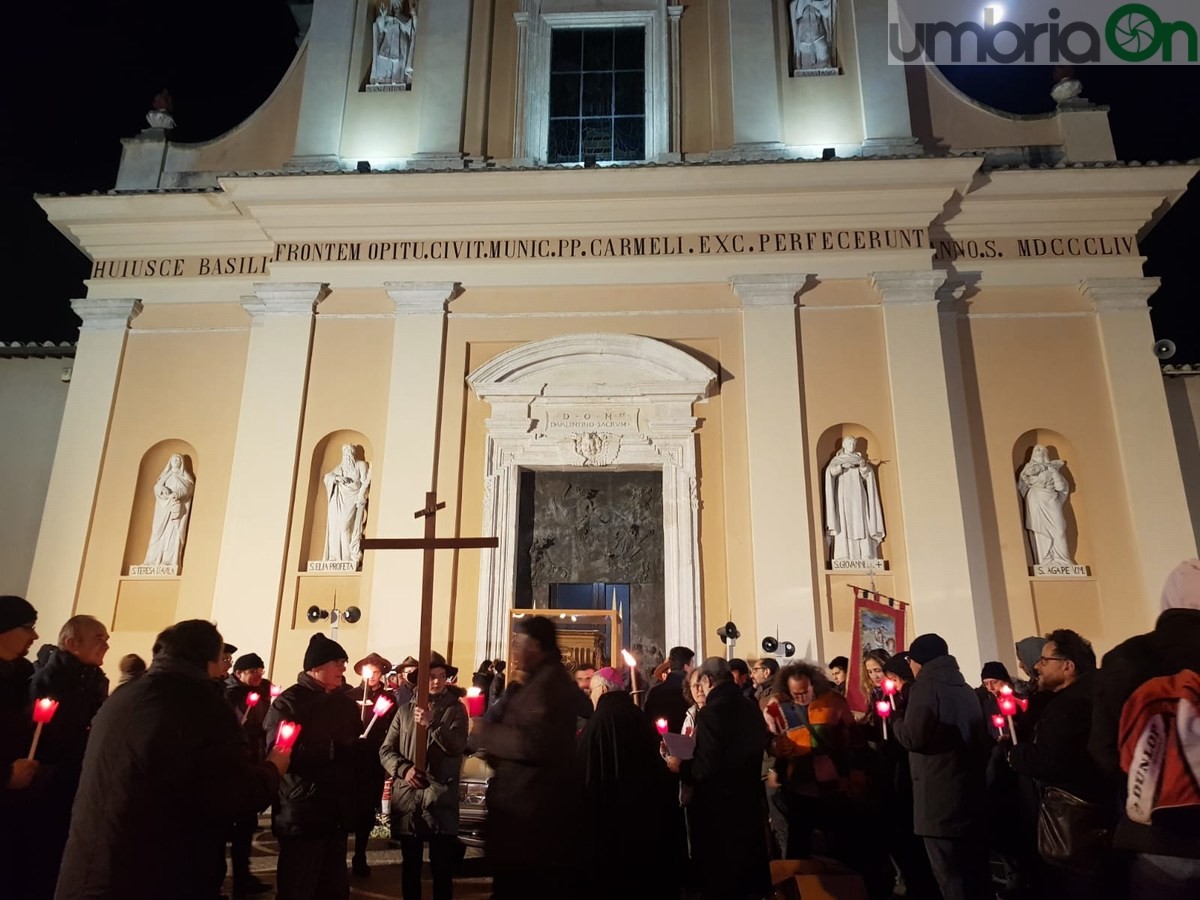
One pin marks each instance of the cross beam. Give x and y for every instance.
(428, 544)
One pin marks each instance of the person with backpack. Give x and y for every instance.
(1146, 737)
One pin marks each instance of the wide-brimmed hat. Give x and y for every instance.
(375, 661)
(436, 661)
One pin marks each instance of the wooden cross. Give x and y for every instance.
(428, 544)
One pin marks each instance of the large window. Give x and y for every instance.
(597, 95)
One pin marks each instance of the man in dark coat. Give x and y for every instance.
(942, 728)
(167, 741)
(665, 700)
(317, 800)
(17, 774)
(529, 738)
(246, 679)
(1167, 858)
(624, 781)
(371, 669)
(69, 673)
(728, 811)
(425, 803)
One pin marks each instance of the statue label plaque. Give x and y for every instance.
(1059, 571)
(319, 565)
(858, 566)
(152, 571)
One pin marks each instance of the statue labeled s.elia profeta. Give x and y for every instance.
(346, 487)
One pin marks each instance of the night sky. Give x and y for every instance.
(79, 78)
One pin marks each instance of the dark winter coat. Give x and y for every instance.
(434, 809)
(317, 797)
(79, 689)
(942, 728)
(165, 771)
(530, 744)
(17, 841)
(1058, 754)
(727, 810)
(665, 700)
(1173, 645)
(235, 695)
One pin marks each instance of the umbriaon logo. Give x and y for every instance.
(1074, 32)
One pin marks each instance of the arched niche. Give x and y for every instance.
(597, 401)
(141, 513)
(1057, 447)
(326, 455)
(868, 445)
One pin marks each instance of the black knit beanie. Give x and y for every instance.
(322, 650)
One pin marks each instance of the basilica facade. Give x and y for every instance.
(706, 312)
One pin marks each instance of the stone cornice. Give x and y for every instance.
(421, 297)
(1113, 294)
(908, 287)
(270, 300)
(768, 291)
(106, 313)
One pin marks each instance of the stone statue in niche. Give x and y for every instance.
(172, 508)
(346, 487)
(814, 38)
(393, 36)
(1044, 489)
(853, 512)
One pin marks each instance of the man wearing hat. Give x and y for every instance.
(942, 728)
(425, 803)
(17, 634)
(316, 804)
(247, 678)
(371, 668)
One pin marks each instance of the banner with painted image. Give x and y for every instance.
(878, 625)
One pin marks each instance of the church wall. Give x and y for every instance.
(847, 393)
(1030, 387)
(347, 398)
(32, 397)
(382, 125)
(726, 573)
(823, 110)
(179, 386)
(1183, 399)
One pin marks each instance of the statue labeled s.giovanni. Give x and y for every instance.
(853, 511)
(393, 36)
(346, 487)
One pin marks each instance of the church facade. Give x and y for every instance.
(621, 281)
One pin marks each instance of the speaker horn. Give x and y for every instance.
(352, 614)
(789, 649)
(769, 645)
(728, 632)
(316, 614)
(1164, 349)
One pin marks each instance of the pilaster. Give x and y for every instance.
(887, 123)
(75, 476)
(757, 107)
(785, 573)
(408, 465)
(443, 44)
(326, 81)
(262, 479)
(939, 491)
(1154, 487)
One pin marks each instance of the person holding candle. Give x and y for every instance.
(942, 728)
(70, 673)
(371, 669)
(316, 803)
(425, 804)
(665, 699)
(18, 631)
(246, 679)
(167, 741)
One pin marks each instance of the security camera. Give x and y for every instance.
(1164, 349)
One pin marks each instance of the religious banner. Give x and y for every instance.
(878, 625)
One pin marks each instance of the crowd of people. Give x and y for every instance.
(1075, 780)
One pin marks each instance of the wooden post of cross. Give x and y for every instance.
(428, 544)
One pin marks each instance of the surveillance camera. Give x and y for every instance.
(1164, 349)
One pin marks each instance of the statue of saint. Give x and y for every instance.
(392, 38)
(346, 489)
(172, 507)
(814, 40)
(1042, 484)
(853, 513)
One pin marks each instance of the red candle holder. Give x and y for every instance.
(474, 702)
(883, 708)
(661, 725)
(286, 736)
(44, 710)
(252, 699)
(276, 690)
(998, 722)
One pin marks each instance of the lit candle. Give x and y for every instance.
(366, 677)
(632, 664)
(889, 690)
(382, 705)
(1023, 702)
(661, 725)
(251, 701)
(998, 724)
(286, 736)
(1008, 706)
(884, 709)
(43, 711)
(474, 702)
(276, 690)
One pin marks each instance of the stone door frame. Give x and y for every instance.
(597, 400)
